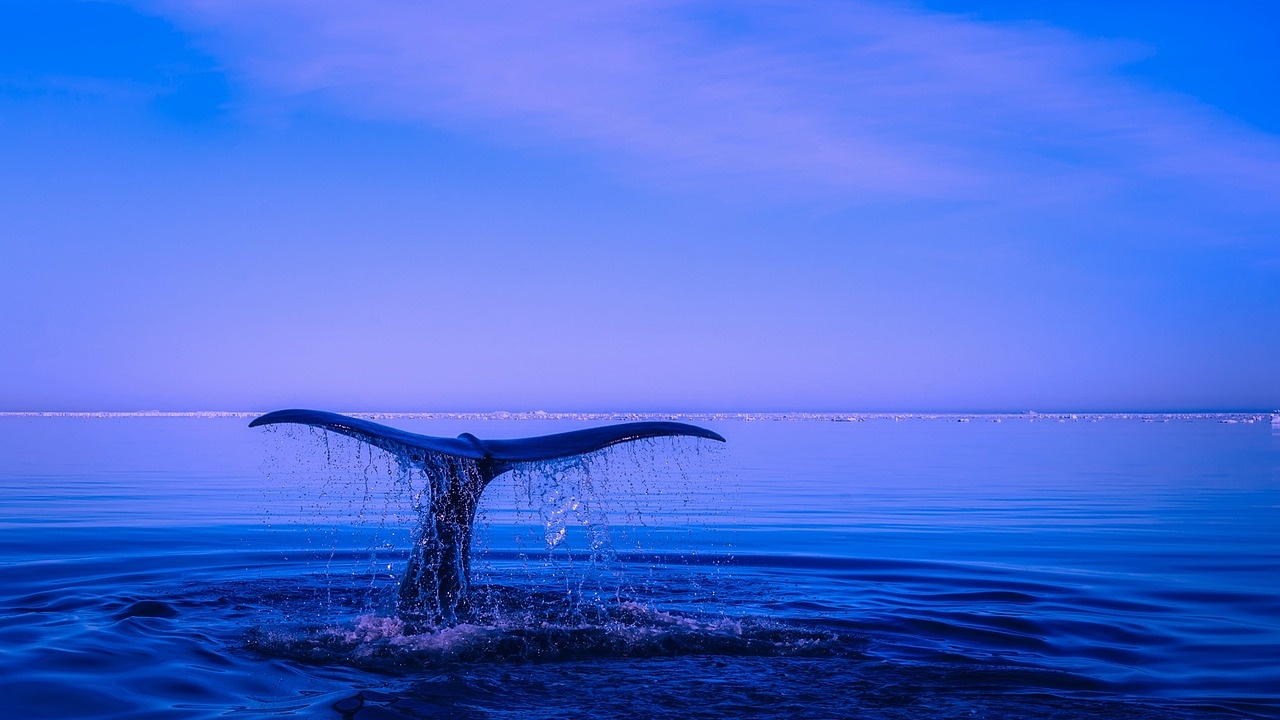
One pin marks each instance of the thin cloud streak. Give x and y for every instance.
(850, 98)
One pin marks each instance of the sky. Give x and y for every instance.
(639, 205)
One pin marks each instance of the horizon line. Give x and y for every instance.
(640, 415)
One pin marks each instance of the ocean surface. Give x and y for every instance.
(1020, 566)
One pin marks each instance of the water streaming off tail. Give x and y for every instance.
(612, 552)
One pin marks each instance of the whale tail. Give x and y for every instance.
(500, 455)
(437, 580)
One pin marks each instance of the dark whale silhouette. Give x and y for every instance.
(436, 583)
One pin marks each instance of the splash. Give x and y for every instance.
(530, 628)
(592, 560)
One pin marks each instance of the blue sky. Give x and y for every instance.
(400, 205)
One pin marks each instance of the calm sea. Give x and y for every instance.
(876, 567)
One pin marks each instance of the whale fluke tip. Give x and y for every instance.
(296, 415)
(711, 435)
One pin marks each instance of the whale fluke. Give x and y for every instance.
(437, 581)
(466, 445)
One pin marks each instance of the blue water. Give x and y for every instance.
(1087, 567)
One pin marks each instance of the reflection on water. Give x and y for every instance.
(1093, 567)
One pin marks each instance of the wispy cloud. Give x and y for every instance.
(859, 98)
